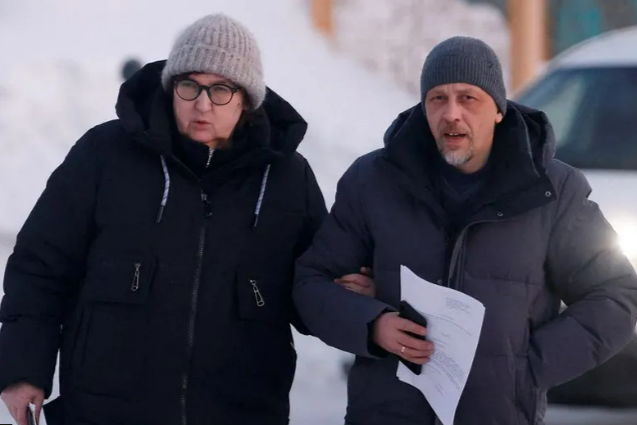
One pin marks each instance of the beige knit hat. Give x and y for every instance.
(218, 44)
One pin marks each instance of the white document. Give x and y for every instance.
(454, 323)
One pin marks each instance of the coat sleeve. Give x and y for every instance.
(316, 213)
(343, 245)
(316, 210)
(46, 265)
(596, 282)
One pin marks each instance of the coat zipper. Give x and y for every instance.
(193, 307)
(459, 249)
(457, 259)
(257, 294)
(455, 254)
(135, 285)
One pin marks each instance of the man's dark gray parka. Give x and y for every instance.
(533, 239)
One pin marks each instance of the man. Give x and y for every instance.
(466, 193)
(163, 248)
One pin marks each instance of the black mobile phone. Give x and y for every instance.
(30, 416)
(406, 311)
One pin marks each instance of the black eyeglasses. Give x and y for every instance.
(219, 94)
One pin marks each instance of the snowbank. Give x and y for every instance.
(395, 36)
(45, 106)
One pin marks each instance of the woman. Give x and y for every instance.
(164, 246)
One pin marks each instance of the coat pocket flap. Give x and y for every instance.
(263, 297)
(126, 282)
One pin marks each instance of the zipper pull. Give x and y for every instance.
(135, 286)
(257, 294)
(206, 205)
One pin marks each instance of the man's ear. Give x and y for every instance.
(499, 118)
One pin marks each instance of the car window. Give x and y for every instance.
(593, 112)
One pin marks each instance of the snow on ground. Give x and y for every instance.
(395, 36)
(63, 78)
(45, 106)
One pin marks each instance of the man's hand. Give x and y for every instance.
(362, 283)
(390, 334)
(17, 398)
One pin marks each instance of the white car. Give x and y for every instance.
(589, 93)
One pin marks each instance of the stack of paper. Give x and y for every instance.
(454, 323)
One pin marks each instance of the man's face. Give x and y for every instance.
(200, 118)
(462, 118)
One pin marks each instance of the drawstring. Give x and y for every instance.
(164, 198)
(264, 183)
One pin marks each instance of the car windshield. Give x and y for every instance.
(592, 111)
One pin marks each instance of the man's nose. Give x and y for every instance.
(452, 111)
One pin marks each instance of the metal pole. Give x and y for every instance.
(527, 23)
(322, 16)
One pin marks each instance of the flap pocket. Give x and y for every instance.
(263, 297)
(119, 281)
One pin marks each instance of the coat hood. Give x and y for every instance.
(524, 143)
(526, 130)
(145, 109)
(270, 133)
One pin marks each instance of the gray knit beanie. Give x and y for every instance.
(218, 44)
(464, 60)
